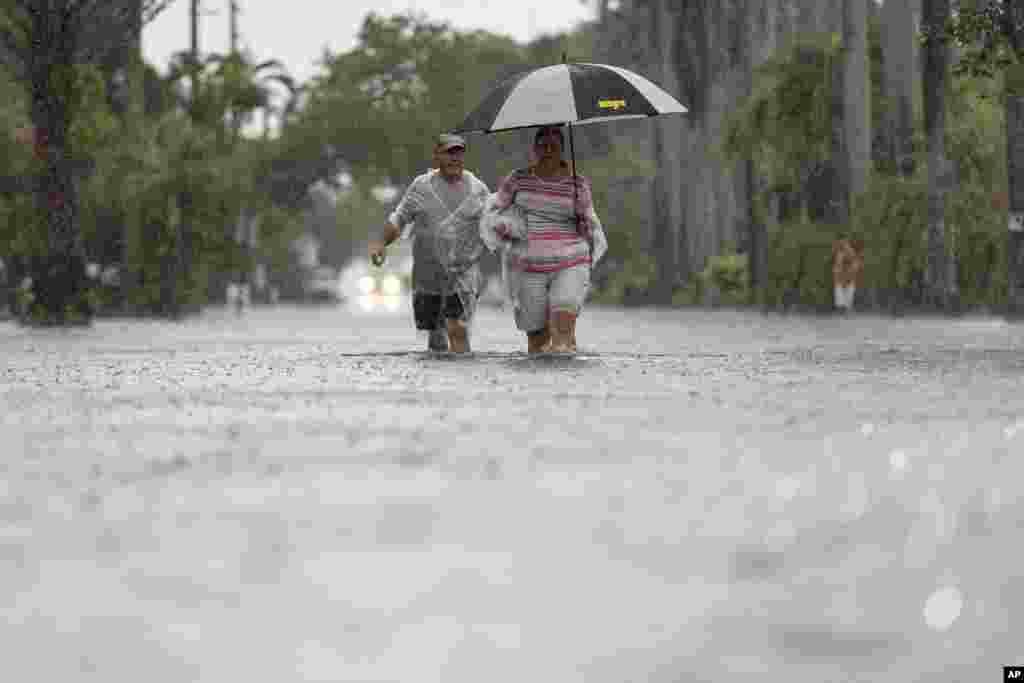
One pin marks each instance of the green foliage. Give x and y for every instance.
(728, 275)
(785, 124)
(621, 164)
(358, 212)
(637, 277)
(93, 126)
(409, 78)
(891, 220)
(134, 198)
(981, 30)
(976, 133)
(17, 236)
(799, 256)
(279, 227)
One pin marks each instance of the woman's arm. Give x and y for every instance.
(507, 189)
(584, 206)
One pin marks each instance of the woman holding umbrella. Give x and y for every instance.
(563, 234)
(561, 225)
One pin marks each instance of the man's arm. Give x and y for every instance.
(403, 214)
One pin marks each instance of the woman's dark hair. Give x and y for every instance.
(541, 132)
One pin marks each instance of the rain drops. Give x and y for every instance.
(898, 462)
(857, 495)
(787, 488)
(1012, 430)
(943, 608)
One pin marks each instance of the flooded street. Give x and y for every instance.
(301, 494)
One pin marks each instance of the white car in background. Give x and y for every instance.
(373, 287)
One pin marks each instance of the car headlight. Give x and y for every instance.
(391, 285)
(366, 285)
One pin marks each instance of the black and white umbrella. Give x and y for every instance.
(571, 94)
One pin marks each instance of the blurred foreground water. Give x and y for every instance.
(300, 494)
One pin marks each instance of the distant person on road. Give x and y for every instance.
(549, 276)
(443, 206)
(847, 271)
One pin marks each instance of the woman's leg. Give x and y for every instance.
(531, 314)
(567, 294)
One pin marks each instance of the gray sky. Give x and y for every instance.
(296, 31)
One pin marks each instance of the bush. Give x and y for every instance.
(799, 263)
(729, 273)
(891, 219)
(630, 283)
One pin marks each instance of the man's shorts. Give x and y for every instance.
(432, 310)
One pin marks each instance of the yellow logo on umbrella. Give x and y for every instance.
(611, 104)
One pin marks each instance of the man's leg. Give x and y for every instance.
(427, 312)
(458, 336)
(438, 340)
(456, 323)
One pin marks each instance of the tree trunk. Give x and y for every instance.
(899, 48)
(856, 95)
(838, 169)
(758, 239)
(1015, 168)
(131, 241)
(59, 276)
(179, 265)
(755, 27)
(938, 284)
(667, 213)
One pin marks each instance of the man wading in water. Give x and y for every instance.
(443, 206)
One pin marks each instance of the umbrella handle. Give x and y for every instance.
(576, 189)
(575, 180)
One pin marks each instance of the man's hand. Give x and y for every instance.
(375, 250)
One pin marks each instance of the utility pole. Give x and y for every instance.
(233, 8)
(245, 234)
(670, 241)
(194, 49)
(181, 265)
(233, 42)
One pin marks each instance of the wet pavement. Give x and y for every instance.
(300, 494)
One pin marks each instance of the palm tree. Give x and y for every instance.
(44, 44)
(940, 271)
(230, 89)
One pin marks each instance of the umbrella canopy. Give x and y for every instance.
(569, 93)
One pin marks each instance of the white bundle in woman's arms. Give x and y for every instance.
(498, 226)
